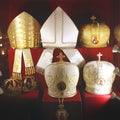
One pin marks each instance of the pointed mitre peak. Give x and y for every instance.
(59, 30)
(24, 31)
(23, 16)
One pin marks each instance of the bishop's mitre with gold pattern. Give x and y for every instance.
(23, 33)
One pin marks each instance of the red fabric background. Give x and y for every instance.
(47, 98)
(29, 95)
(92, 103)
(89, 54)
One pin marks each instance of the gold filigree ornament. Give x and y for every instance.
(24, 32)
(94, 35)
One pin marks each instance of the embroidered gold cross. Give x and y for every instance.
(61, 56)
(28, 61)
(17, 67)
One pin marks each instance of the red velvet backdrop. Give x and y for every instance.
(89, 54)
(80, 11)
(106, 10)
(92, 103)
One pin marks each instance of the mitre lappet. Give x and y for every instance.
(59, 31)
(99, 76)
(62, 78)
(23, 33)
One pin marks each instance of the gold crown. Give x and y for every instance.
(12, 87)
(24, 32)
(95, 34)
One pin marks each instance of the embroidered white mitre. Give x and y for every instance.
(59, 31)
(62, 79)
(99, 77)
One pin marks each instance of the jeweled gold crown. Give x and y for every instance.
(95, 34)
(12, 87)
(24, 32)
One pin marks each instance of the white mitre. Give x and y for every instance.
(99, 76)
(59, 31)
(62, 78)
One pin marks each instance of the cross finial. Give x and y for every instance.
(93, 18)
(99, 56)
(61, 56)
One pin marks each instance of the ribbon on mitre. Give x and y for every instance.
(46, 58)
(29, 81)
(29, 66)
(17, 64)
(59, 31)
(15, 84)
